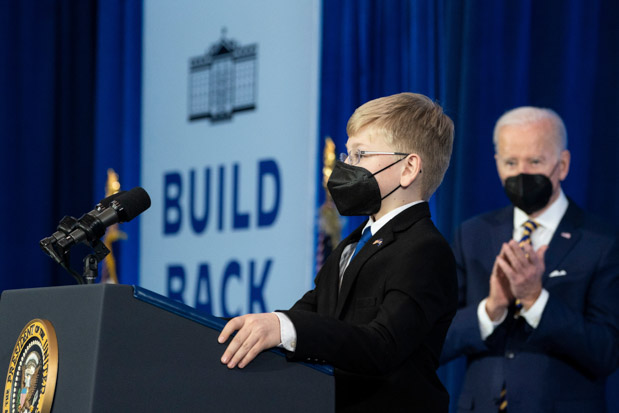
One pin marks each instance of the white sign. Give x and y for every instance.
(229, 152)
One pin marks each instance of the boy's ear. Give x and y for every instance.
(412, 168)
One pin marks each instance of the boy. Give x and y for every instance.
(383, 301)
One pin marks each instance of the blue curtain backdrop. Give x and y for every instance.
(479, 59)
(117, 114)
(69, 109)
(46, 90)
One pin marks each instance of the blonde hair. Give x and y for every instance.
(411, 123)
(526, 115)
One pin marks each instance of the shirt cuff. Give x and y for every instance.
(534, 314)
(287, 332)
(486, 325)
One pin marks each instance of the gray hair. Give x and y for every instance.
(529, 114)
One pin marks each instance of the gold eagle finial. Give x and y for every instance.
(329, 226)
(113, 234)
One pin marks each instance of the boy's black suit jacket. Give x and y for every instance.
(384, 329)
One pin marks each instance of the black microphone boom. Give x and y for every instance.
(120, 207)
(91, 226)
(66, 225)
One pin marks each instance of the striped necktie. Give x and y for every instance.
(529, 227)
(503, 400)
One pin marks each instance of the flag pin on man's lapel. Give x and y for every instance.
(566, 235)
(378, 242)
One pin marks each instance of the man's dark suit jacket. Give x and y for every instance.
(384, 330)
(561, 365)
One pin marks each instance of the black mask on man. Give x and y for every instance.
(529, 192)
(355, 190)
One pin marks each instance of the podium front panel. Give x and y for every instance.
(117, 353)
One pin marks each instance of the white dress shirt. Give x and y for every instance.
(548, 222)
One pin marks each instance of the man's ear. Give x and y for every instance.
(412, 168)
(564, 166)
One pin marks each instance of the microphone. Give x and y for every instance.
(117, 208)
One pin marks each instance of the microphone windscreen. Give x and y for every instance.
(105, 202)
(133, 203)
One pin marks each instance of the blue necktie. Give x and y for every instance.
(367, 234)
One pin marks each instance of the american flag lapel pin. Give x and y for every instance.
(378, 242)
(566, 235)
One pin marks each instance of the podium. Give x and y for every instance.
(126, 349)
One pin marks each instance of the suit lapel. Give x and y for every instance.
(566, 236)
(382, 239)
(333, 270)
(352, 272)
(504, 230)
(332, 279)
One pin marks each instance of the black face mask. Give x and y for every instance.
(355, 190)
(528, 192)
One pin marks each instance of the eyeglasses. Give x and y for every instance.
(355, 157)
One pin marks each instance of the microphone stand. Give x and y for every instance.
(52, 247)
(91, 261)
(120, 207)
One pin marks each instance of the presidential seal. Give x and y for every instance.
(31, 380)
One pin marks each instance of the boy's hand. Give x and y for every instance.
(256, 332)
